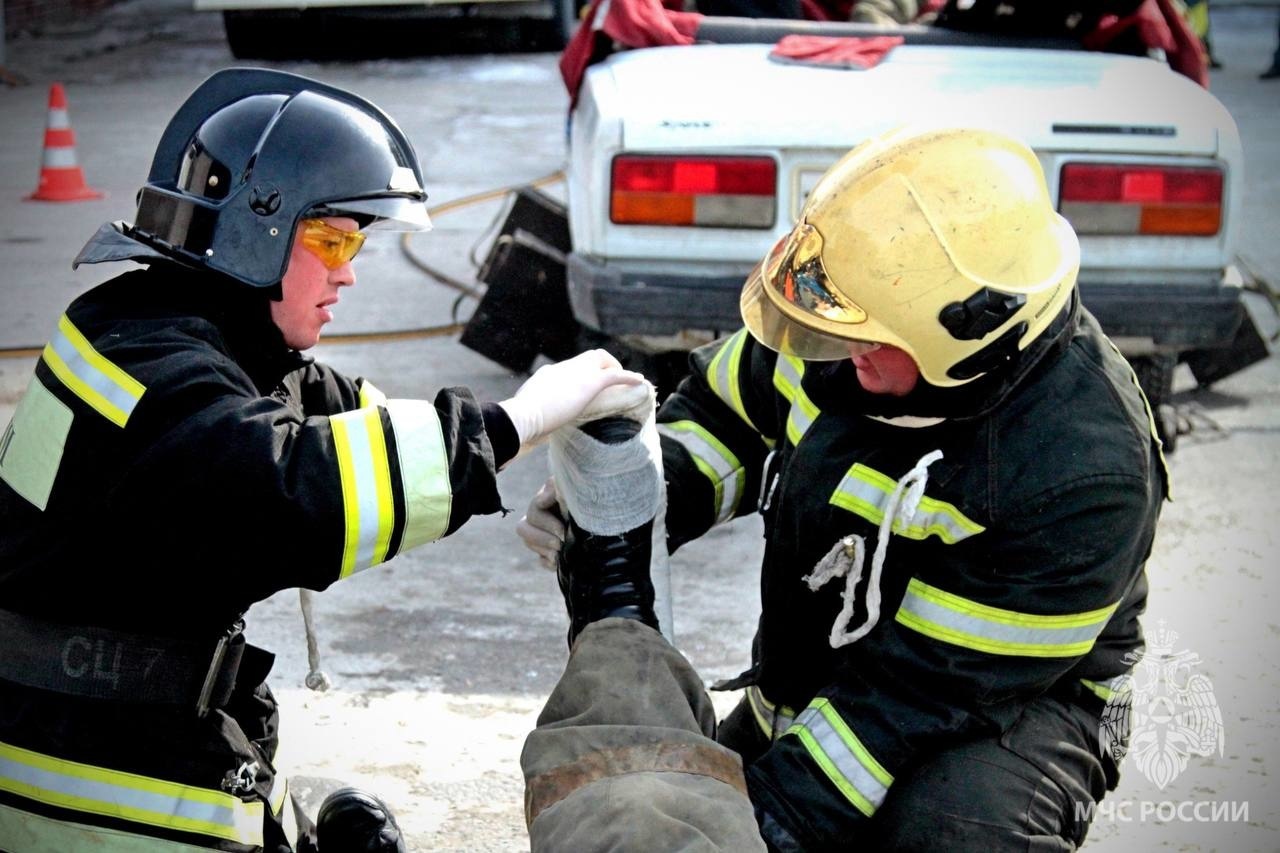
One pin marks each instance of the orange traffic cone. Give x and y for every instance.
(60, 175)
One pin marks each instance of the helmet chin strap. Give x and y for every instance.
(846, 557)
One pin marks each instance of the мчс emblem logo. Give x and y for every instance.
(1168, 710)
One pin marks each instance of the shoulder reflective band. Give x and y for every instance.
(424, 471)
(865, 491)
(128, 796)
(714, 460)
(723, 373)
(370, 395)
(367, 502)
(773, 721)
(842, 757)
(961, 622)
(786, 378)
(94, 379)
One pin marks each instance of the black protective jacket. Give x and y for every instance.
(1019, 573)
(171, 463)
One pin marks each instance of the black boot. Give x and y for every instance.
(355, 821)
(607, 575)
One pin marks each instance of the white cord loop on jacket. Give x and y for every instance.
(846, 557)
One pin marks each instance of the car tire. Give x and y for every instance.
(262, 35)
(1155, 376)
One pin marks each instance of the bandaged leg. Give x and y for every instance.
(608, 471)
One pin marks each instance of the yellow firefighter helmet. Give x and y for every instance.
(941, 242)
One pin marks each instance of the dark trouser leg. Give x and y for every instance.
(622, 757)
(1016, 792)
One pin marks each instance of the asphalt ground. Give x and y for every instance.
(441, 659)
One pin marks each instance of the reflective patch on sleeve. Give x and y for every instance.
(424, 470)
(31, 447)
(94, 379)
(141, 800)
(370, 395)
(952, 619)
(367, 502)
(714, 460)
(723, 375)
(841, 756)
(865, 492)
(786, 378)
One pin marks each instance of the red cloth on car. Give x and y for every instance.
(847, 52)
(1157, 24)
(634, 23)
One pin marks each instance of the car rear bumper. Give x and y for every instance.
(617, 301)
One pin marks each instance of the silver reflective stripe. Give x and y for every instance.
(91, 377)
(128, 796)
(722, 375)
(865, 491)
(33, 833)
(370, 395)
(58, 120)
(842, 756)
(787, 377)
(714, 460)
(962, 622)
(424, 470)
(367, 501)
(772, 720)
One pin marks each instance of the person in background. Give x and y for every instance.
(176, 458)
(959, 480)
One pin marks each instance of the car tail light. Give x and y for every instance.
(1107, 198)
(718, 192)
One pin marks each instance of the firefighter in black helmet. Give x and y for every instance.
(176, 459)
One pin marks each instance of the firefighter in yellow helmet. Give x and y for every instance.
(959, 483)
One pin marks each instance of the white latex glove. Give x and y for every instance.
(556, 394)
(542, 528)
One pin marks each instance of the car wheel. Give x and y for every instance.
(1155, 376)
(262, 35)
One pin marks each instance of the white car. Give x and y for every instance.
(687, 163)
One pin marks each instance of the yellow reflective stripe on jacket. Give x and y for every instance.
(714, 460)
(845, 761)
(367, 501)
(128, 796)
(424, 470)
(772, 720)
(948, 617)
(33, 833)
(94, 379)
(370, 395)
(786, 378)
(723, 372)
(865, 491)
(278, 794)
(1109, 689)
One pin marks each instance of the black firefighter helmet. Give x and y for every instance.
(252, 152)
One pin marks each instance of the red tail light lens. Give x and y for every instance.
(719, 192)
(1107, 198)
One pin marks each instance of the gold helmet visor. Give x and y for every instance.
(794, 276)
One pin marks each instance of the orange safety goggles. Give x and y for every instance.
(333, 246)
